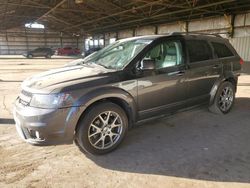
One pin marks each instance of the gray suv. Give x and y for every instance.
(39, 52)
(94, 101)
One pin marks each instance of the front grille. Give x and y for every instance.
(25, 97)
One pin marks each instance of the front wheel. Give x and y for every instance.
(48, 56)
(224, 98)
(102, 128)
(30, 56)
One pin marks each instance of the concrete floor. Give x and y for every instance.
(189, 149)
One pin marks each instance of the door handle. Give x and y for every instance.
(180, 73)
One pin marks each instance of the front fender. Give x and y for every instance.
(106, 92)
(96, 95)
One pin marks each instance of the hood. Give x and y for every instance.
(51, 80)
(74, 63)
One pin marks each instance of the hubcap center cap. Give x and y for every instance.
(105, 129)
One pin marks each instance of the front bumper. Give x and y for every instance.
(44, 126)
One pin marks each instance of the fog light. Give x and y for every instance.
(37, 135)
(32, 133)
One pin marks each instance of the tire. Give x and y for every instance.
(102, 129)
(224, 98)
(48, 56)
(29, 55)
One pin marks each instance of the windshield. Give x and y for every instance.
(119, 54)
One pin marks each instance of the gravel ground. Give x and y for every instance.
(189, 149)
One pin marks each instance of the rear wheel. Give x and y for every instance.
(224, 98)
(102, 128)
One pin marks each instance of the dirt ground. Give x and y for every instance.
(189, 149)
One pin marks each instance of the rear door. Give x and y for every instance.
(43, 52)
(35, 52)
(203, 70)
(38, 52)
(227, 55)
(68, 51)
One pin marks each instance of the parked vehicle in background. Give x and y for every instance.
(130, 81)
(40, 52)
(68, 51)
(90, 51)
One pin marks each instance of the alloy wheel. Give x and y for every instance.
(105, 130)
(226, 99)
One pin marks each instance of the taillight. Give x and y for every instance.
(241, 61)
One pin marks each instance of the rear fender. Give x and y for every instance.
(227, 76)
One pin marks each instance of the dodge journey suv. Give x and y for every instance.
(94, 101)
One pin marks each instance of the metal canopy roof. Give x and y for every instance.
(99, 16)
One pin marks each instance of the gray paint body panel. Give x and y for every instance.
(145, 94)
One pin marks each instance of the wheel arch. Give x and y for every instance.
(227, 77)
(114, 95)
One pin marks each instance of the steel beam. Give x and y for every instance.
(51, 10)
(111, 15)
(165, 14)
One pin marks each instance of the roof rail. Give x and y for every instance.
(196, 33)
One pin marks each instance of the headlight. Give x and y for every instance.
(51, 100)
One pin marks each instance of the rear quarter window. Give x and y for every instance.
(222, 50)
(198, 50)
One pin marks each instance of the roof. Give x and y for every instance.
(95, 16)
(184, 34)
(149, 37)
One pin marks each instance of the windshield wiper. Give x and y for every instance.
(106, 67)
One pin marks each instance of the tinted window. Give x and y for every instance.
(221, 50)
(37, 50)
(166, 54)
(198, 50)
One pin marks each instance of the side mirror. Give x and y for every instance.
(148, 64)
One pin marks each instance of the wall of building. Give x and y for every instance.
(241, 39)
(18, 41)
(222, 25)
(242, 45)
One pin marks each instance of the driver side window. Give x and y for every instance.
(166, 54)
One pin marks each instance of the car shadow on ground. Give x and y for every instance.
(194, 144)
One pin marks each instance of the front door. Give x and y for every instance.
(162, 90)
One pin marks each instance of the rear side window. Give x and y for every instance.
(221, 50)
(198, 50)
